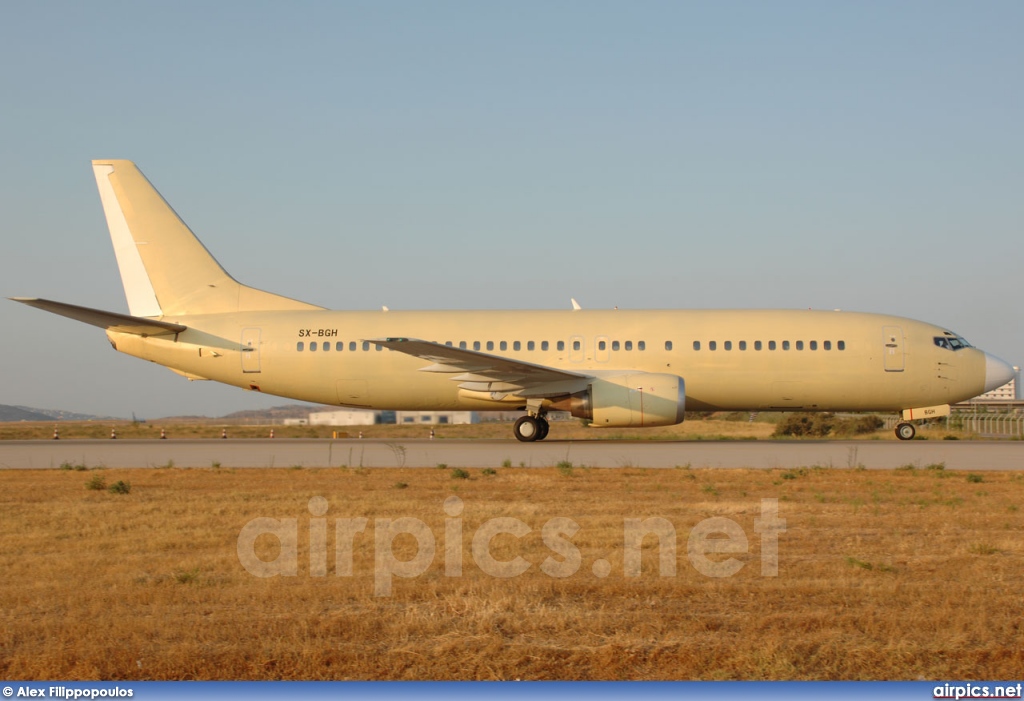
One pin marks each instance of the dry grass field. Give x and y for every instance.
(907, 574)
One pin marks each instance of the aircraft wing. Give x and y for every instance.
(483, 372)
(111, 321)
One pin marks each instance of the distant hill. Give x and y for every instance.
(272, 415)
(25, 413)
(289, 411)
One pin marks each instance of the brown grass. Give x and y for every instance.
(883, 575)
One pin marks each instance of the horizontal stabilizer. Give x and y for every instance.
(122, 323)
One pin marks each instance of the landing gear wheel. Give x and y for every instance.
(905, 431)
(527, 429)
(542, 426)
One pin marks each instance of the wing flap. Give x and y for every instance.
(111, 321)
(476, 368)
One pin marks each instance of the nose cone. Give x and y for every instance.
(997, 372)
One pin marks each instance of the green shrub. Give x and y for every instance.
(120, 487)
(459, 474)
(805, 425)
(97, 483)
(488, 471)
(858, 425)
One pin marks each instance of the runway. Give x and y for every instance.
(319, 453)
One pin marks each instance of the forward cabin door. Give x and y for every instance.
(250, 350)
(892, 338)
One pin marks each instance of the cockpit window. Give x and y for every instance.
(951, 342)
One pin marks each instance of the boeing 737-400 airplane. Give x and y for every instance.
(613, 368)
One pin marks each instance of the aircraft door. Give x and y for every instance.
(892, 339)
(250, 350)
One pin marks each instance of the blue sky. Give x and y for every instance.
(860, 155)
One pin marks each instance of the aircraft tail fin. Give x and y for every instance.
(165, 269)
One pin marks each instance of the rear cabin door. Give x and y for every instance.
(250, 350)
(892, 339)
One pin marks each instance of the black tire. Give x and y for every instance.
(543, 427)
(905, 431)
(526, 429)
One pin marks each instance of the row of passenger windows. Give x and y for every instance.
(602, 345)
(772, 345)
(339, 346)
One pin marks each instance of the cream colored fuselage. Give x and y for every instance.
(729, 359)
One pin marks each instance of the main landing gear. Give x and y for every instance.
(905, 431)
(531, 428)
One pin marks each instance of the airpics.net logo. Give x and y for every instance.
(716, 536)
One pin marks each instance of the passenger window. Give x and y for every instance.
(366, 345)
(529, 345)
(490, 345)
(339, 346)
(757, 345)
(827, 345)
(615, 345)
(785, 345)
(327, 346)
(300, 346)
(696, 345)
(712, 345)
(462, 345)
(841, 345)
(668, 345)
(728, 345)
(543, 345)
(516, 345)
(743, 345)
(503, 345)
(629, 345)
(476, 345)
(352, 345)
(448, 343)
(575, 345)
(561, 345)
(799, 345)
(771, 345)
(641, 345)
(601, 345)
(814, 345)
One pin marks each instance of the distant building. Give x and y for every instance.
(435, 418)
(345, 417)
(1007, 392)
(296, 422)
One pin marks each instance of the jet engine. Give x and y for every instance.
(635, 399)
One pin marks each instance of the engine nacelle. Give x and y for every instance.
(636, 399)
